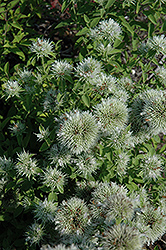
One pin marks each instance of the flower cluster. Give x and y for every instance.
(78, 131)
(148, 113)
(12, 88)
(42, 47)
(158, 43)
(26, 166)
(111, 114)
(72, 216)
(61, 69)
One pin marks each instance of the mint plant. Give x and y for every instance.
(83, 143)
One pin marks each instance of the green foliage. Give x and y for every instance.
(82, 136)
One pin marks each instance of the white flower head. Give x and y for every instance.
(61, 69)
(72, 216)
(161, 74)
(44, 133)
(59, 156)
(148, 112)
(26, 166)
(151, 166)
(25, 75)
(78, 131)
(88, 69)
(44, 211)
(107, 30)
(42, 47)
(85, 164)
(122, 237)
(17, 128)
(34, 233)
(54, 178)
(158, 43)
(111, 113)
(12, 88)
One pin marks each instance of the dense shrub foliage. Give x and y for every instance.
(82, 152)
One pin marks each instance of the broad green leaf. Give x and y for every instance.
(16, 25)
(126, 25)
(109, 3)
(86, 18)
(94, 22)
(60, 189)
(152, 19)
(6, 68)
(61, 24)
(52, 197)
(82, 32)
(86, 100)
(44, 147)
(12, 4)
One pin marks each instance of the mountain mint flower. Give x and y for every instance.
(151, 166)
(25, 75)
(52, 100)
(121, 162)
(85, 164)
(148, 113)
(59, 247)
(152, 223)
(12, 88)
(42, 47)
(34, 233)
(59, 156)
(88, 69)
(72, 216)
(44, 133)
(45, 211)
(61, 69)
(78, 131)
(17, 128)
(158, 43)
(54, 178)
(122, 237)
(111, 114)
(105, 195)
(107, 30)
(26, 166)
(161, 74)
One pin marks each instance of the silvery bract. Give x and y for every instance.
(26, 166)
(148, 113)
(111, 114)
(88, 69)
(122, 237)
(72, 216)
(12, 88)
(61, 69)
(45, 210)
(158, 43)
(34, 233)
(78, 131)
(107, 30)
(42, 47)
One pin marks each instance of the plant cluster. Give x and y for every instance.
(83, 159)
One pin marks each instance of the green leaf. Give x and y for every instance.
(86, 100)
(94, 22)
(86, 18)
(6, 68)
(60, 189)
(109, 3)
(16, 25)
(52, 196)
(126, 25)
(12, 4)
(82, 32)
(152, 19)
(44, 147)
(162, 149)
(61, 24)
